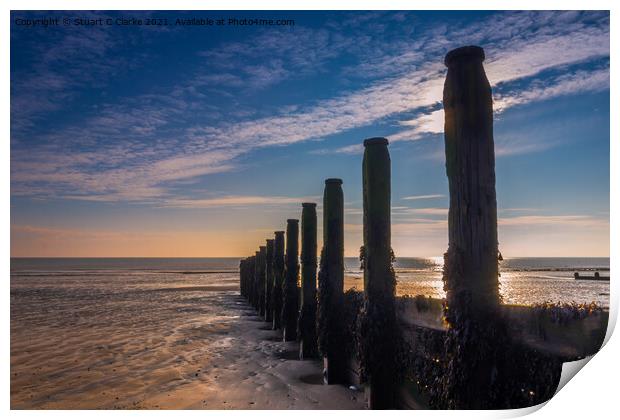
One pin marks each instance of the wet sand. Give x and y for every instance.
(191, 347)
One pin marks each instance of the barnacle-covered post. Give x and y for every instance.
(269, 280)
(331, 285)
(306, 326)
(290, 306)
(379, 324)
(476, 335)
(278, 279)
(262, 256)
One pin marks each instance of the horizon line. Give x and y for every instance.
(346, 256)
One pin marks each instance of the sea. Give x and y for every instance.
(525, 281)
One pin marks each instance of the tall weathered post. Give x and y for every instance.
(476, 335)
(278, 279)
(269, 280)
(331, 285)
(261, 280)
(306, 326)
(379, 324)
(290, 306)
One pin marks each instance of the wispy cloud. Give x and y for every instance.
(430, 211)
(135, 149)
(293, 52)
(60, 72)
(423, 197)
(565, 84)
(236, 201)
(354, 149)
(551, 220)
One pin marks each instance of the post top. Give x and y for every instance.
(279, 232)
(308, 204)
(333, 181)
(292, 220)
(376, 141)
(269, 241)
(470, 52)
(263, 248)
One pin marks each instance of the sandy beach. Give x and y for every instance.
(179, 347)
(167, 334)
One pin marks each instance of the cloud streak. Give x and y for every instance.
(423, 197)
(135, 150)
(237, 201)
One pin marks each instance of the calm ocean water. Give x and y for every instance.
(523, 280)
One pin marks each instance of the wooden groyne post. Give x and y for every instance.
(250, 279)
(379, 324)
(331, 283)
(256, 277)
(290, 303)
(278, 279)
(306, 326)
(269, 280)
(242, 276)
(261, 280)
(476, 333)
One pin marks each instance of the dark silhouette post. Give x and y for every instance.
(250, 278)
(331, 285)
(379, 315)
(476, 335)
(269, 280)
(261, 280)
(241, 275)
(278, 279)
(244, 276)
(307, 315)
(247, 264)
(290, 307)
(250, 281)
(255, 287)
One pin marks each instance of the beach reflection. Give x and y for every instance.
(524, 281)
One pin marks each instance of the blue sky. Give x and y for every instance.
(201, 141)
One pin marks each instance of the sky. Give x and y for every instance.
(198, 141)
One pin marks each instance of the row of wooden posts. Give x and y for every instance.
(269, 278)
